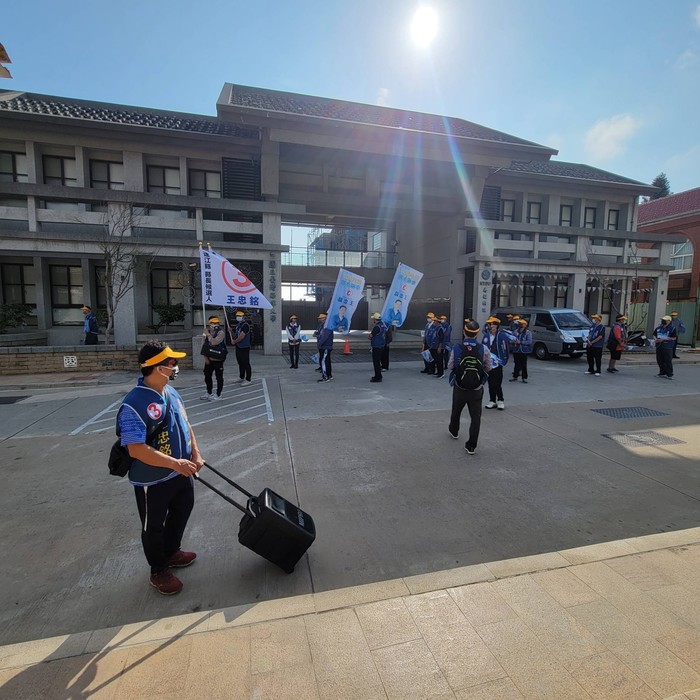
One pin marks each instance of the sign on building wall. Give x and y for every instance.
(485, 286)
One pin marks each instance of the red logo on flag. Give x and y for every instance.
(154, 411)
(348, 293)
(239, 283)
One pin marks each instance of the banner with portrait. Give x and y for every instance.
(399, 296)
(346, 296)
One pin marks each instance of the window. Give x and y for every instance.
(166, 287)
(13, 167)
(533, 212)
(500, 294)
(566, 215)
(544, 321)
(606, 242)
(529, 293)
(66, 294)
(18, 286)
(549, 238)
(589, 217)
(682, 256)
(613, 219)
(377, 241)
(507, 210)
(512, 236)
(561, 291)
(60, 171)
(105, 175)
(163, 180)
(205, 183)
(101, 295)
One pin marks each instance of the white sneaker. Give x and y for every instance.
(245, 382)
(205, 397)
(597, 374)
(214, 397)
(501, 405)
(588, 372)
(490, 404)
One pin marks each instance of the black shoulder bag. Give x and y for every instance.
(120, 461)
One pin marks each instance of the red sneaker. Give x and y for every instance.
(181, 559)
(164, 582)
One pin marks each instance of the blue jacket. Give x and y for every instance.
(524, 347)
(90, 324)
(665, 331)
(435, 337)
(142, 409)
(597, 331)
(499, 347)
(324, 338)
(377, 336)
(448, 335)
(242, 327)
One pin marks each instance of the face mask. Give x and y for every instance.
(175, 372)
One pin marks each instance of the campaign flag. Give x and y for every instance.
(223, 284)
(346, 296)
(404, 284)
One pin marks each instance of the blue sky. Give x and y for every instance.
(611, 83)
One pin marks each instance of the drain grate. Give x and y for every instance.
(643, 438)
(629, 412)
(10, 399)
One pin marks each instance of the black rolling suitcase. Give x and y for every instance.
(271, 526)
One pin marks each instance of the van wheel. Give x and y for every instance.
(540, 351)
(575, 355)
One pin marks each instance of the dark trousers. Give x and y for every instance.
(472, 399)
(164, 510)
(595, 358)
(294, 355)
(217, 368)
(385, 357)
(324, 362)
(243, 359)
(91, 339)
(377, 362)
(438, 358)
(496, 384)
(519, 365)
(664, 358)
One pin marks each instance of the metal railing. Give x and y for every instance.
(310, 257)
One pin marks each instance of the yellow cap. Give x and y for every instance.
(376, 316)
(214, 319)
(322, 316)
(493, 319)
(165, 354)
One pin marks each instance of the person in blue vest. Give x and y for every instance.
(214, 351)
(294, 341)
(241, 341)
(429, 366)
(377, 341)
(324, 343)
(447, 328)
(472, 395)
(496, 340)
(678, 324)
(89, 326)
(437, 347)
(665, 335)
(616, 342)
(152, 424)
(522, 347)
(594, 345)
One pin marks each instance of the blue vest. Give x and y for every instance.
(243, 327)
(377, 339)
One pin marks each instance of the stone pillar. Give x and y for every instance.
(657, 302)
(184, 184)
(483, 285)
(272, 228)
(125, 327)
(34, 169)
(272, 275)
(269, 168)
(577, 290)
(134, 173)
(43, 293)
(87, 286)
(457, 276)
(82, 167)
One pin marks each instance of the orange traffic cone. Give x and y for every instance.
(346, 350)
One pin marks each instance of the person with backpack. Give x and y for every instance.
(241, 341)
(469, 365)
(215, 351)
(497, 342)
(377, 341)
(89, 326)
(152, 425)
(522, 347)
(616, 342)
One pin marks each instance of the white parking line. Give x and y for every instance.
(94, 418)
(225, 415)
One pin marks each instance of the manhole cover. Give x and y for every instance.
(629, 412)
(643, 437)
(10, 399)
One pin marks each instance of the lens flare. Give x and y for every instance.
(424, 26)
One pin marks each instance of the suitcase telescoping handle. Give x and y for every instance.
(243, 509)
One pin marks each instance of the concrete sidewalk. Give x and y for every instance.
(614, 621)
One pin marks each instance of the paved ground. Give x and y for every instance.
(392, 495)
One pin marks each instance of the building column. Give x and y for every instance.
(457, 277)
(272, 275)
(269, 168)
(577, 291)
(272, 228)
(483, 286)
(125, 327)
(657, 302)
(43, 293)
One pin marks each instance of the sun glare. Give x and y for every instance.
(424, 26)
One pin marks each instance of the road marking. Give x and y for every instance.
(94, 418)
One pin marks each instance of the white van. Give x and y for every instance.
(554, 331)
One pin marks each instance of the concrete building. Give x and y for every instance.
(489, 218)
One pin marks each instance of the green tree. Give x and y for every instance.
(169, 313)
(661, 181)
(13, 315)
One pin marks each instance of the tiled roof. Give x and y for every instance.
(46, 105)
(573, 170)
(340, 110)
(673, 205)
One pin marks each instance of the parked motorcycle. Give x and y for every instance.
(637, 338)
